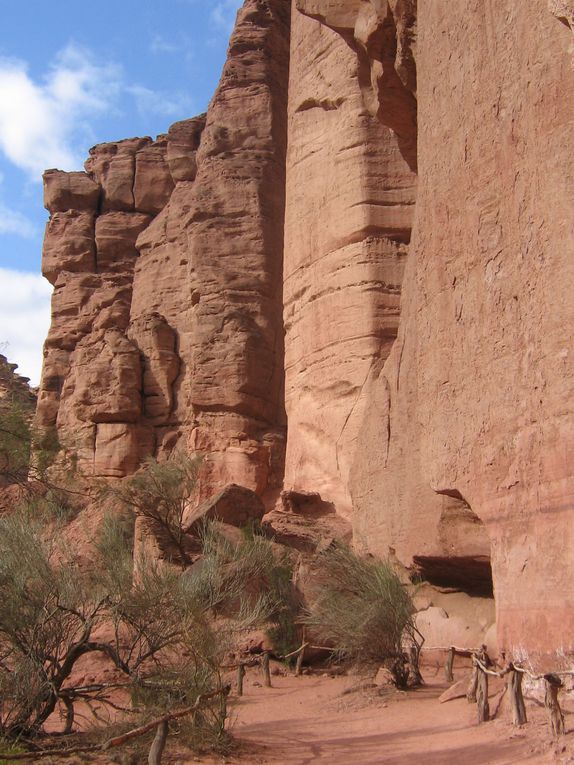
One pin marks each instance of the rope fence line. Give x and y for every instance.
(263, 660)
(513, 672)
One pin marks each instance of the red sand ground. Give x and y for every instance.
(306, 720)
(309, 719)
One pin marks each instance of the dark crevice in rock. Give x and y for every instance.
(472, 575)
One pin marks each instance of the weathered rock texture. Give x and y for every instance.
(14, 386)
(350, 202)
(167, 261)
(274, 263)
(476, 395)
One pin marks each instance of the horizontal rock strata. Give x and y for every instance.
(166, 257)
(367, 242)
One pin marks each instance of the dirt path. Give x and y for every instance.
(315, 719)
(307, 720)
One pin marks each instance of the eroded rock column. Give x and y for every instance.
(91, 385)
(350, 197)
(211, 264)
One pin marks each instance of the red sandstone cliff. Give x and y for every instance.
(367, 242)
(167, 261)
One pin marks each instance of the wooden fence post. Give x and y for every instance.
(514, 685)
(448, 665)
(414, 669)
(482, 688)
(240, 676)
(552, 684)
(299, 662)
(300, 655)
(265, 669)
(472, 685)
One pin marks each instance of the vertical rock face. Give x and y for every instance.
(212, 262)
(236, 246)
(350, 202)
(474, 397)
(489, 313)
(274, 261)
(167, 261)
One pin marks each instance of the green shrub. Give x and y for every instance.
(160, 492)
(361, 608)
(51, 609)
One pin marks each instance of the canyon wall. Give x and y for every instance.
(350, 205)
(476, 395)
(366, 244)
(166, 257)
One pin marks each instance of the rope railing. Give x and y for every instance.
(483, 668)
(263, 660)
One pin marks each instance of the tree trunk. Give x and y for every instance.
(69, 704)
(552, 684)
(448, 665)
(240, 676)
(514, 685)
(158, 744)
(265, 669)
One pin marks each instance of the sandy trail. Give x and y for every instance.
(308, 720)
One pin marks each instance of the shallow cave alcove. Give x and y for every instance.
(464, 564)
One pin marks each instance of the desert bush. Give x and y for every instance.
(28, 452)
(15, 440)
(361, 608)
(167, 633)
(47, 614)
(53, 612)
(250, 580)
(160, 492)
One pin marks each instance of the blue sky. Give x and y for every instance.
(73, 74)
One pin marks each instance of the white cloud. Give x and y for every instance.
(153, 102)
(48, 122)
(42, 123)
(24, 320)
(222, 15)
(14, 222)
(159, 44)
